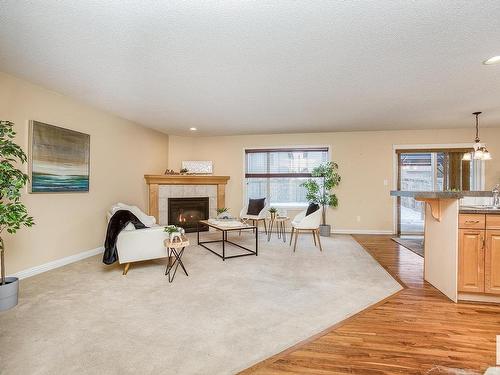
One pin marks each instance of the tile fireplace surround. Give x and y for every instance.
(162, 187)
(185, 191)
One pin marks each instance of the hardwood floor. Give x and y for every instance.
(416, 331)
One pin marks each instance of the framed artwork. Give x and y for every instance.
(59, 159)
(198, 166)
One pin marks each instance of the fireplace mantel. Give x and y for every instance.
(154, 181)
(179, 179)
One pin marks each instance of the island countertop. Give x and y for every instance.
(479, 210)
(440, 194)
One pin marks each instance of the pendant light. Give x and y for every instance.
(480, 151)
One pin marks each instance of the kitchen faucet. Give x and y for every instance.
(496, 196)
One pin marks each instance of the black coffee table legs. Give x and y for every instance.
(173, 253)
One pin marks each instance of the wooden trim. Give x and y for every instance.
(289, 149)
(153, 201)
(435, 206)
(221, 196)
(185, 180)
(277, 175)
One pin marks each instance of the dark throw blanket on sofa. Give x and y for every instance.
(116, 224)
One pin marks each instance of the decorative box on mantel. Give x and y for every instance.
(155, 181)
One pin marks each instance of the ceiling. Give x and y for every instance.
(248, 67)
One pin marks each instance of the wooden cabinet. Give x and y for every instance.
(479, 253)
(492, 262)
(471, 260)
(471, 221)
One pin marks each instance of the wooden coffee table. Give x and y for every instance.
(224, 229)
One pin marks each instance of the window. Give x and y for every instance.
(278, 173)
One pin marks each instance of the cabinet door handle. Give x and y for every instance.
(472, 222)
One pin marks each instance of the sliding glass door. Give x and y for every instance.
(428, 170)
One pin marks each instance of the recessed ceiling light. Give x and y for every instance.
(193, 129)
(492, 60)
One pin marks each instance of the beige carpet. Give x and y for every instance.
(86, 318)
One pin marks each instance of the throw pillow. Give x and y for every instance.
(255, 206)
(313, 207)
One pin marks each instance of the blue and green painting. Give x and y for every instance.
(60, 159)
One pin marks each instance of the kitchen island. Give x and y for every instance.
(461, 245)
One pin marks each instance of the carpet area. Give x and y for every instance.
(86, 318)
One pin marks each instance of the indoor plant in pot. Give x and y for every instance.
(273, 211)
(13, 213)
(320, 191)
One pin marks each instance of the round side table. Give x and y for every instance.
(279, 224)
(175, 250)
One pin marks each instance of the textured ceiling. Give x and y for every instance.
(249, 67)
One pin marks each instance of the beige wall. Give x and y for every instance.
(121, 152)
(365, 160)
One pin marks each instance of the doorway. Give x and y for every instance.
(426, 170)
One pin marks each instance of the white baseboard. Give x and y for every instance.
(57, 263)
(352, 231)
(361, 231)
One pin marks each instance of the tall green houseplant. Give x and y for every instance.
(13, 213)
(320, 192)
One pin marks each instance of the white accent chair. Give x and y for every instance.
(255, 218)
(135, 245)
(303, 223)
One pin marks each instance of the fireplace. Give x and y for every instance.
(186, 212)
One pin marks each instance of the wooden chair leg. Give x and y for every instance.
(319, 241)
(125, 270)
(296, 236)
(265, 225)
(291, 235)
(314, 236)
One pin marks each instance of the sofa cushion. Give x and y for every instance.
(313, 207)
(255, 206)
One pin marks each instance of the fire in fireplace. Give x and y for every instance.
(186, 212)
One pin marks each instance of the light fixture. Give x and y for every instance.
(492, 60)
(480, 151)
(193, 129)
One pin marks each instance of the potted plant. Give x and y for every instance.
(273, 211)
(175, 233)
(223, 213)
(13, 213)
(320, 192)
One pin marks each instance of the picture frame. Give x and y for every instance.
(59, 159)
(198, 166)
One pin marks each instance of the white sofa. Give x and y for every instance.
(135, 245)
